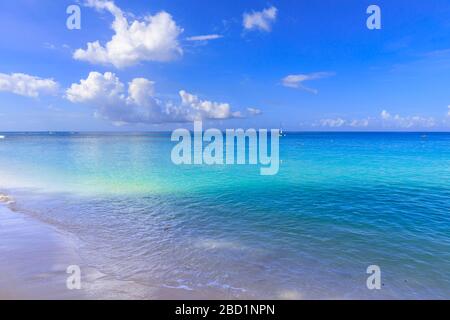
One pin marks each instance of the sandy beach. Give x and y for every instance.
(35, 257)
(34, 260)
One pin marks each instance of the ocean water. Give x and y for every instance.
(340, 203)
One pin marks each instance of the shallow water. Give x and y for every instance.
(341, 202)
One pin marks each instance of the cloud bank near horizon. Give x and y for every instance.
(384, 120)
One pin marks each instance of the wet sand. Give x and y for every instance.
(34, 260)
(35, 257)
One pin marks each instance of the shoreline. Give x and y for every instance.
(35, 258)
(36, 254)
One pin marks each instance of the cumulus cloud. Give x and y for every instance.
(26, 85)
(260, 20)
(139, 104)
(296, 80)
(205, 37)
(448, 114)
(155, 38)
(204, 108)
(106, 93)
(102, 87)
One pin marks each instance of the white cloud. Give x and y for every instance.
(340, 122)
(385, 115)
(406, 122)
(260, 20)
(448, 114)
(102, 87)
(107, 94)
(254, 111)
(205, 108)
(26, 85)
(204, 37)
(155, 38)
(333, 123)
(296, 80)
(359, 123)
(385, 120)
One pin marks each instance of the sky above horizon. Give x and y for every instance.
(159, 65)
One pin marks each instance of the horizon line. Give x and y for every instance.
(170, 131)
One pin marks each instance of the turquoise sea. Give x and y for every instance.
(340, 203)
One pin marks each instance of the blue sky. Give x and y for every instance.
(304, 65)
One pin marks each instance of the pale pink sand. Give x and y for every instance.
(34, 257)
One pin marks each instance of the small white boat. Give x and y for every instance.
(2, 137)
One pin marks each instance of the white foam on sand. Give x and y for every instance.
(290, 295)
(6, 199)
